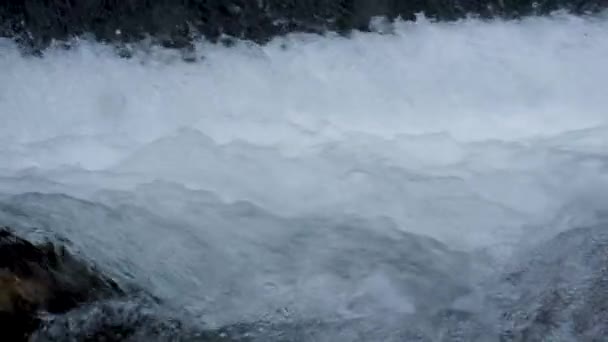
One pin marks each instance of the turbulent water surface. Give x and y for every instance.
(373, 187)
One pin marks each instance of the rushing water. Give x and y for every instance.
(377, 178)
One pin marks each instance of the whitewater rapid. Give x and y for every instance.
(196, 177)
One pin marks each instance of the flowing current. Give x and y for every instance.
(377, 178)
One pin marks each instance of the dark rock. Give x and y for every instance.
(175, 23)
(38, 279)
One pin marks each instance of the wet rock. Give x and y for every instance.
(175, 23)
(43, 279)
(18, 315)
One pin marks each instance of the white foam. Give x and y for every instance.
(467, 131)
(481, 134)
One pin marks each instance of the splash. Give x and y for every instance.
(265, 173)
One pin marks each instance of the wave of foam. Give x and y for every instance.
(307, 110)
(476, 133)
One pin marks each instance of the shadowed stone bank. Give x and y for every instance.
(175, 23)
(41, 279)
